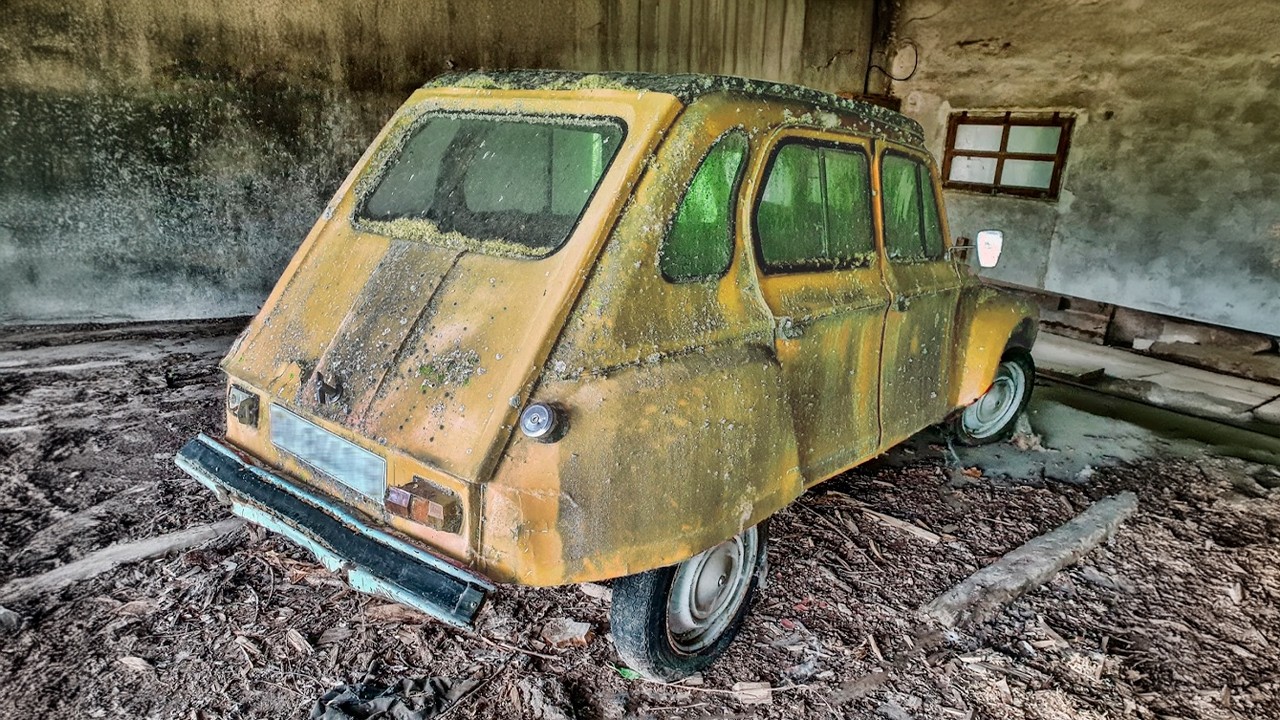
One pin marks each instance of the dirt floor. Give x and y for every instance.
(1179, 616)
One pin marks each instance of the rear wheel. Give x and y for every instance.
(993, 417)
(672, 622)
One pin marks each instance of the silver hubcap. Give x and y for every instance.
(996, 409)
(707, 591)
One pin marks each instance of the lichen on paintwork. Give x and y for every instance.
(454, 367)
(689, 87)
(484, 81)
(475, 80)
(423, 230)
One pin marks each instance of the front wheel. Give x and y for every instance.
(993, 417)
(672, 622)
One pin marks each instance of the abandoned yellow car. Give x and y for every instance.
(559, 328)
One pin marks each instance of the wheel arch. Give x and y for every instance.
(992, 324)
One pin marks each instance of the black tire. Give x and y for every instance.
(639, 617)
(961, 426)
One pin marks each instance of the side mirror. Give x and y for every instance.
(989, 243)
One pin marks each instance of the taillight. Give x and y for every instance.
(427, 503)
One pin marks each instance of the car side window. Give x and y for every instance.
(933, 246)
(699, 245)
(912, 227)
(815, 210)
(850, 232)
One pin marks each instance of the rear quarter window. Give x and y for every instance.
(699, 245)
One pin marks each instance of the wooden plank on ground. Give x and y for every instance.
(101, 561)
(986, 591)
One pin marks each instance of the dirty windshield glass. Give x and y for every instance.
(516, 184)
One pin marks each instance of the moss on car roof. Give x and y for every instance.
(686, 87)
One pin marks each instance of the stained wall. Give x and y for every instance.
(164, 159)
(1171, 197)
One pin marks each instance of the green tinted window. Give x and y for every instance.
(900, 182)
(850, 236)
(791, 217)
(815, 211)
(933, 246)
(700, 242)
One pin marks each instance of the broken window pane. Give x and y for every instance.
(700, 242)
(1027, 173)
(520, 180)
(978, 137)
(1040, 139)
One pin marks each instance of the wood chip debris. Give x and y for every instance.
(1054, 640)
(298, 642)
(334, 635)
(853, 689)
(1236, 592)
(597, 591)
(136, 664)
(394, 613)
(563, 632)
(909, 528)
(9, 620)
(753, 693)
(875, 649)
(249, 646)
(138, 608)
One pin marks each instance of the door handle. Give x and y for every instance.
(901, 303)
(790, 328)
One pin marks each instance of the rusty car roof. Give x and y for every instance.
(687, 88)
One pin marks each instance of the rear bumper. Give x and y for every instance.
(372, 560)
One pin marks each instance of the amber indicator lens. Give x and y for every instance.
(425, 502)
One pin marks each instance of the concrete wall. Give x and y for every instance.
(1171, 198)
(162, 159)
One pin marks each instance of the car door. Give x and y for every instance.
(813, 234)
(925, 287)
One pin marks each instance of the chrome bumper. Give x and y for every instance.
(372, 560)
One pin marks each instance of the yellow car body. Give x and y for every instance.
(695, 409)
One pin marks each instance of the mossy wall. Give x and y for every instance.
(164, 159)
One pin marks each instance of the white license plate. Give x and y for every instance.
(344, 461)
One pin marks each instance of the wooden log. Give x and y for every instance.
(111, 556)
(52, 539)
(983, 593)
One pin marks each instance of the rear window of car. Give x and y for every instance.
(514, 184)
(815, 210)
